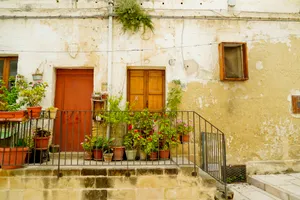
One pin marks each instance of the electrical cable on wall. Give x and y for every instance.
(144, 49)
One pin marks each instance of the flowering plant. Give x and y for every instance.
(152, 143)
(183, 127)
(88, 143)
(132, 139)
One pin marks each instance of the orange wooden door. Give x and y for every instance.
(74, 88)
(146, 89)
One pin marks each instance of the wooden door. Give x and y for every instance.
(146, 89)
(74, 88)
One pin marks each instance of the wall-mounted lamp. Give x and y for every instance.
(231, 3)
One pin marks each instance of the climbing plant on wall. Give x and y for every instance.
(132, 16)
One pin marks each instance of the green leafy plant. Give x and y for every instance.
(88, 143)
(31, 94)
(107, 144)
(98, 142)
(174, 96)
(152, 143)
(167, 133)
(132, 16)
(132, 139)
(39, 132)
(9, 96)
(115, 114)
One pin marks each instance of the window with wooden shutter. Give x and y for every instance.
(233, 61)
(8, 69)
(296, 104)
(146, 89)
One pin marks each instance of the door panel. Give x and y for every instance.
(73, 98)
(146, 89)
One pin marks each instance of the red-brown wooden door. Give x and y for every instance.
(74, 88)
(146, 89)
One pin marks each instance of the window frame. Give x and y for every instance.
(6, 68)
(295, 100)
(222, 46)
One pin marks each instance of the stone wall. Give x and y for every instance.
(39, 183)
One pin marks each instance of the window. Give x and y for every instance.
(233, 61)
(8, 69)
(296, 104)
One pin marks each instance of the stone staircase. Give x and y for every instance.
(282, 186)
(268, 187)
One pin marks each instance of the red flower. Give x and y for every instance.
(130, 127)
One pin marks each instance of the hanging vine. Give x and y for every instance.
(132, 16)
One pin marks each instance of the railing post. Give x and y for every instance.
(59, 174)
(224, 162)
(194, 172)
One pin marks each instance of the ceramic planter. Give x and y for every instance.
(88, 155)
(54, 148)
(52, 113)
(164, 154)
(41, 142)
(131, 154)
(143, 155)
(108, 157)
(37, 77)
(118, 153)
(12, 158)
(98, 154)
(34, 112)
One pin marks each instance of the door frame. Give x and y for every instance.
(158, 68)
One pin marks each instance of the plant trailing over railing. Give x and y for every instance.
(132, 16)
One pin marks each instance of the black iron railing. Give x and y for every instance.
(190, 139)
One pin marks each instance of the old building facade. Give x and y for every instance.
(258, 114)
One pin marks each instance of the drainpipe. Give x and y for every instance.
(109, 53)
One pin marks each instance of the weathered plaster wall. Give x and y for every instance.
(255, 114)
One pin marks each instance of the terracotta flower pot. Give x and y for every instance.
(41, 142)
(34, 112)
(88, 155)
(153, 156)
(12, 158)
(118, 153)
(98, 154)
(185, 138)
(164, 154)
(18, 115)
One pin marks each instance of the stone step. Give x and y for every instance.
(245, 191)
(283, 186)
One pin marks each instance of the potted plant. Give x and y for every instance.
(51, 111)
(87, 146)
(31, 95)
(131, 143)
(9, 106)
(151, 147)
(174, 98)
(37, 76)
(183, 129)
(167, 136)
(107, 148)
(41, 138)
(14, 157)
(97, 148)
(116, 119)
